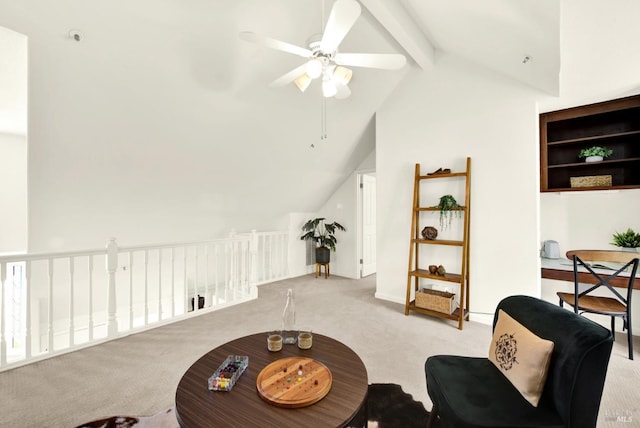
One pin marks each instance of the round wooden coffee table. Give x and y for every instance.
(196, 406)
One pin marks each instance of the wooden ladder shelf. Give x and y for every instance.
(415, 273)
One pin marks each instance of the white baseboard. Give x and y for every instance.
(481, 318)
(389, 298)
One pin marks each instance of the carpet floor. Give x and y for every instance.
(387, 404)
(113, 378)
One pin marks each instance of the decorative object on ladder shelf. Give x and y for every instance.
(429, 232)
(435, 300)
(447, 206)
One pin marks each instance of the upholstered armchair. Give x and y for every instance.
(477, 392)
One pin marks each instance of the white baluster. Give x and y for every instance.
(195, 280)
(3, 312)
(253, 268)
(90, 327)
(206, 275)
(263, 269)
(276, 255)
(159, 284)
(234, 269)
(146, 287)
(130, 290)
(112, 265)
(245, 267)
(280, 258)
(269, 249)
(226, 271)
(27, 333)
(216, 256)
(50, 315)
(71, 307)
(173, 282)
(186, 285)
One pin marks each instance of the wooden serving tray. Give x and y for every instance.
(294, 382)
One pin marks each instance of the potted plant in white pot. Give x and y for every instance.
(595, 153)
(628, 241)
(323, 234)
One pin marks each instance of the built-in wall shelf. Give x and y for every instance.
(614, 124)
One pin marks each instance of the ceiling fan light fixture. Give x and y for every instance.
(343, 91)
(303, 81)
(328, 88)
(342, 75)
(314, 68)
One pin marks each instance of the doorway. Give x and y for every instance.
(367, 223)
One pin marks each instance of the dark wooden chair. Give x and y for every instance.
(614, 304)
(471, 392)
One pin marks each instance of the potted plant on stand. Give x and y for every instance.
(595, 153)
(323, 234)
(628, 241)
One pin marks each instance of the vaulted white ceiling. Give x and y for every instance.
(175, 75)
(518, 39)
(13, 82)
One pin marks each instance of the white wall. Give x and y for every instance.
(341, 207)
(587, 220)
(13, 141)
(13, 82)
(297, 248)
(13, 193)
(439, 118)
(151, 131)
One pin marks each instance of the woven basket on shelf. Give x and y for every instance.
(439, 301)
(591, 181)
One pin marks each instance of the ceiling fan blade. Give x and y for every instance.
(383, 61)
(275, 44)
(342, 17)
(289, 77)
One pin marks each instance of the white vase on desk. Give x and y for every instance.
(629, 249)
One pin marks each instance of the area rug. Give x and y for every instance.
(388, 406)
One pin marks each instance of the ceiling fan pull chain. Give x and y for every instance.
(324, 111)
(323, 120)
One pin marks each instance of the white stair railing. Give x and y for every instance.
(58, 302)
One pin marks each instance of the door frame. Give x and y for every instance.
(359, 210)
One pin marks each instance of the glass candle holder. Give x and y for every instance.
(274, 341)
(305, 339)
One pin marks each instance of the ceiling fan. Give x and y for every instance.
(323, 58)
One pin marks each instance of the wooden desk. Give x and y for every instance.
(562, 270)
(196, 406)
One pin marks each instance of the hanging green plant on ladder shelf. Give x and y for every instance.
(448, 207)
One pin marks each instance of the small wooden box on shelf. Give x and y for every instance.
(564, 133)
(433, 302)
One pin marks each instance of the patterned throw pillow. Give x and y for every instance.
(521, 356)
